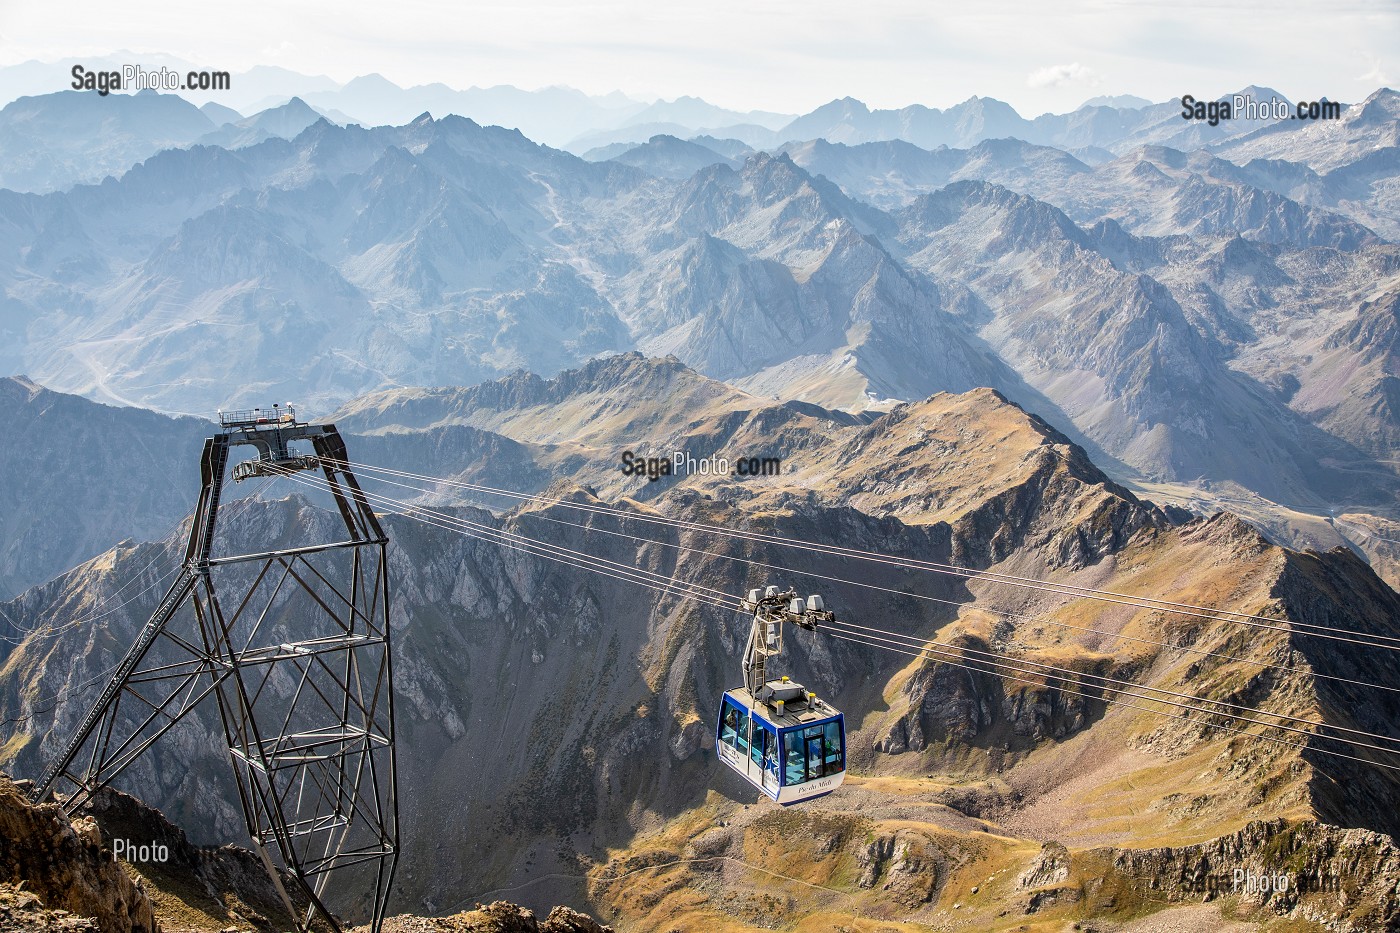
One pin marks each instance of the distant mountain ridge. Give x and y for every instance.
(53, 141)
(563, 117)
(443, 252)
(348, 259)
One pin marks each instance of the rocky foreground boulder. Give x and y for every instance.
(50, 865)
(60, 876)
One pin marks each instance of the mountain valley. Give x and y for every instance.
(1083, 425)
(494, 642)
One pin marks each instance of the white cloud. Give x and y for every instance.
(282, 50)
(1378, 76)
(1062, 75)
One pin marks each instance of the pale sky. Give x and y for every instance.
(778, 55)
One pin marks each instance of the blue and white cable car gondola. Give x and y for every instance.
(779, 736)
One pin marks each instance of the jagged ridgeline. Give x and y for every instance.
(1219, 322)
(556, 725)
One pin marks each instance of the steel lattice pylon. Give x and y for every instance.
(294, 645)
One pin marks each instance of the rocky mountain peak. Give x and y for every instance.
(774, 177)
(1020, 220)
(1380, 108)
(20, 389)
(842, 108)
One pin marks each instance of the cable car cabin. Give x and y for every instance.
(791, 745)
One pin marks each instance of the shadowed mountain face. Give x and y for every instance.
(79, 478)
(551, 719)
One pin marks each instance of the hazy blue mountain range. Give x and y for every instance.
(1158, 305)
(1131, 188)
(444, 252)
(52, 141)
(252, 90)
(57, 140)
(663, 156)
(563, 117)
(284, 122)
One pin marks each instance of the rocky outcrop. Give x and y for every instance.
(65, 869)
(951, 703)
(1045, 712)
(1045, 878)
(497, 917)
(58, 876)
(227, 883)
(1346, 880)
(23, 912)
(945, 703)
(907, 867)
(86, 867)
(1049, 867)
